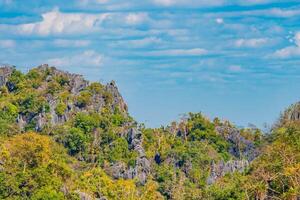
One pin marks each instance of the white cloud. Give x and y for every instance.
(138, 43)
(273, 12)
(253, 2)
(180, 52)
(59, 23)
(164, 2)
(287, 52)
(146, 41)
(87, 58)
(71, 43)
(136, 18)
(291, 51)
(55, 22)
(235, 68)
(277, 12)
(7, 44)
(219, 20)
(252, 43)
(86, 2)
(204, 3)
(297, 39)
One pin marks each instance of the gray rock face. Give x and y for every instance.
(20, 121)
(5, 72)
(134, 138)
(142, 167)
(84, 196)
(292, 113)
(117, 98)
(119, 170)
(75, 84)
(220, 169)
(233, 135)
(40, 121)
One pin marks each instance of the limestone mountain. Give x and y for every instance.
(63, 137)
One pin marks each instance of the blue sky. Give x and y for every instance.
(236, 59)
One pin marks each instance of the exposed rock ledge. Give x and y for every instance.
(220, 169)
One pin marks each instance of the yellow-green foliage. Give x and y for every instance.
(32, 164)
(35, 167)
(276, 173)
(83, 99)
(72, 158)
(60, 108)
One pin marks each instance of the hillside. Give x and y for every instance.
(63, 137)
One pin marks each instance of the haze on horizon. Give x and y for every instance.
(238, 60)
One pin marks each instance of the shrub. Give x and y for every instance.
(15, 81)
(83, 99)
(61, 108)
(87, 122)
(76, 141)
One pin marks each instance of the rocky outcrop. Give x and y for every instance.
(220, 169)
(84, 196)
(5, 72)
(74, 83)
(291, 114)
(117, 100)
(20, 121)
(142, 167)
(240, 147)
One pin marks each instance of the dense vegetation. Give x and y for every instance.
(64, 138)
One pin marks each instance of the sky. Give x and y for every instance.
(233, 59)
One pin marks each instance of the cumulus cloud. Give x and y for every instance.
(290, 51)
(55, 22)
(252, 43)
(60, 23)
(180, 52)
(87, 58)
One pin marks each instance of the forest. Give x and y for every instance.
(63, 137)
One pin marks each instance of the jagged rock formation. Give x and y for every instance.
(5, 72)
(116, 97)
(91, 121)
(291, 114)
(240, 147)
(142, 168)
(76, 83)
(220, 169)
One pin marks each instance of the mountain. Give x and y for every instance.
(63, 137)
